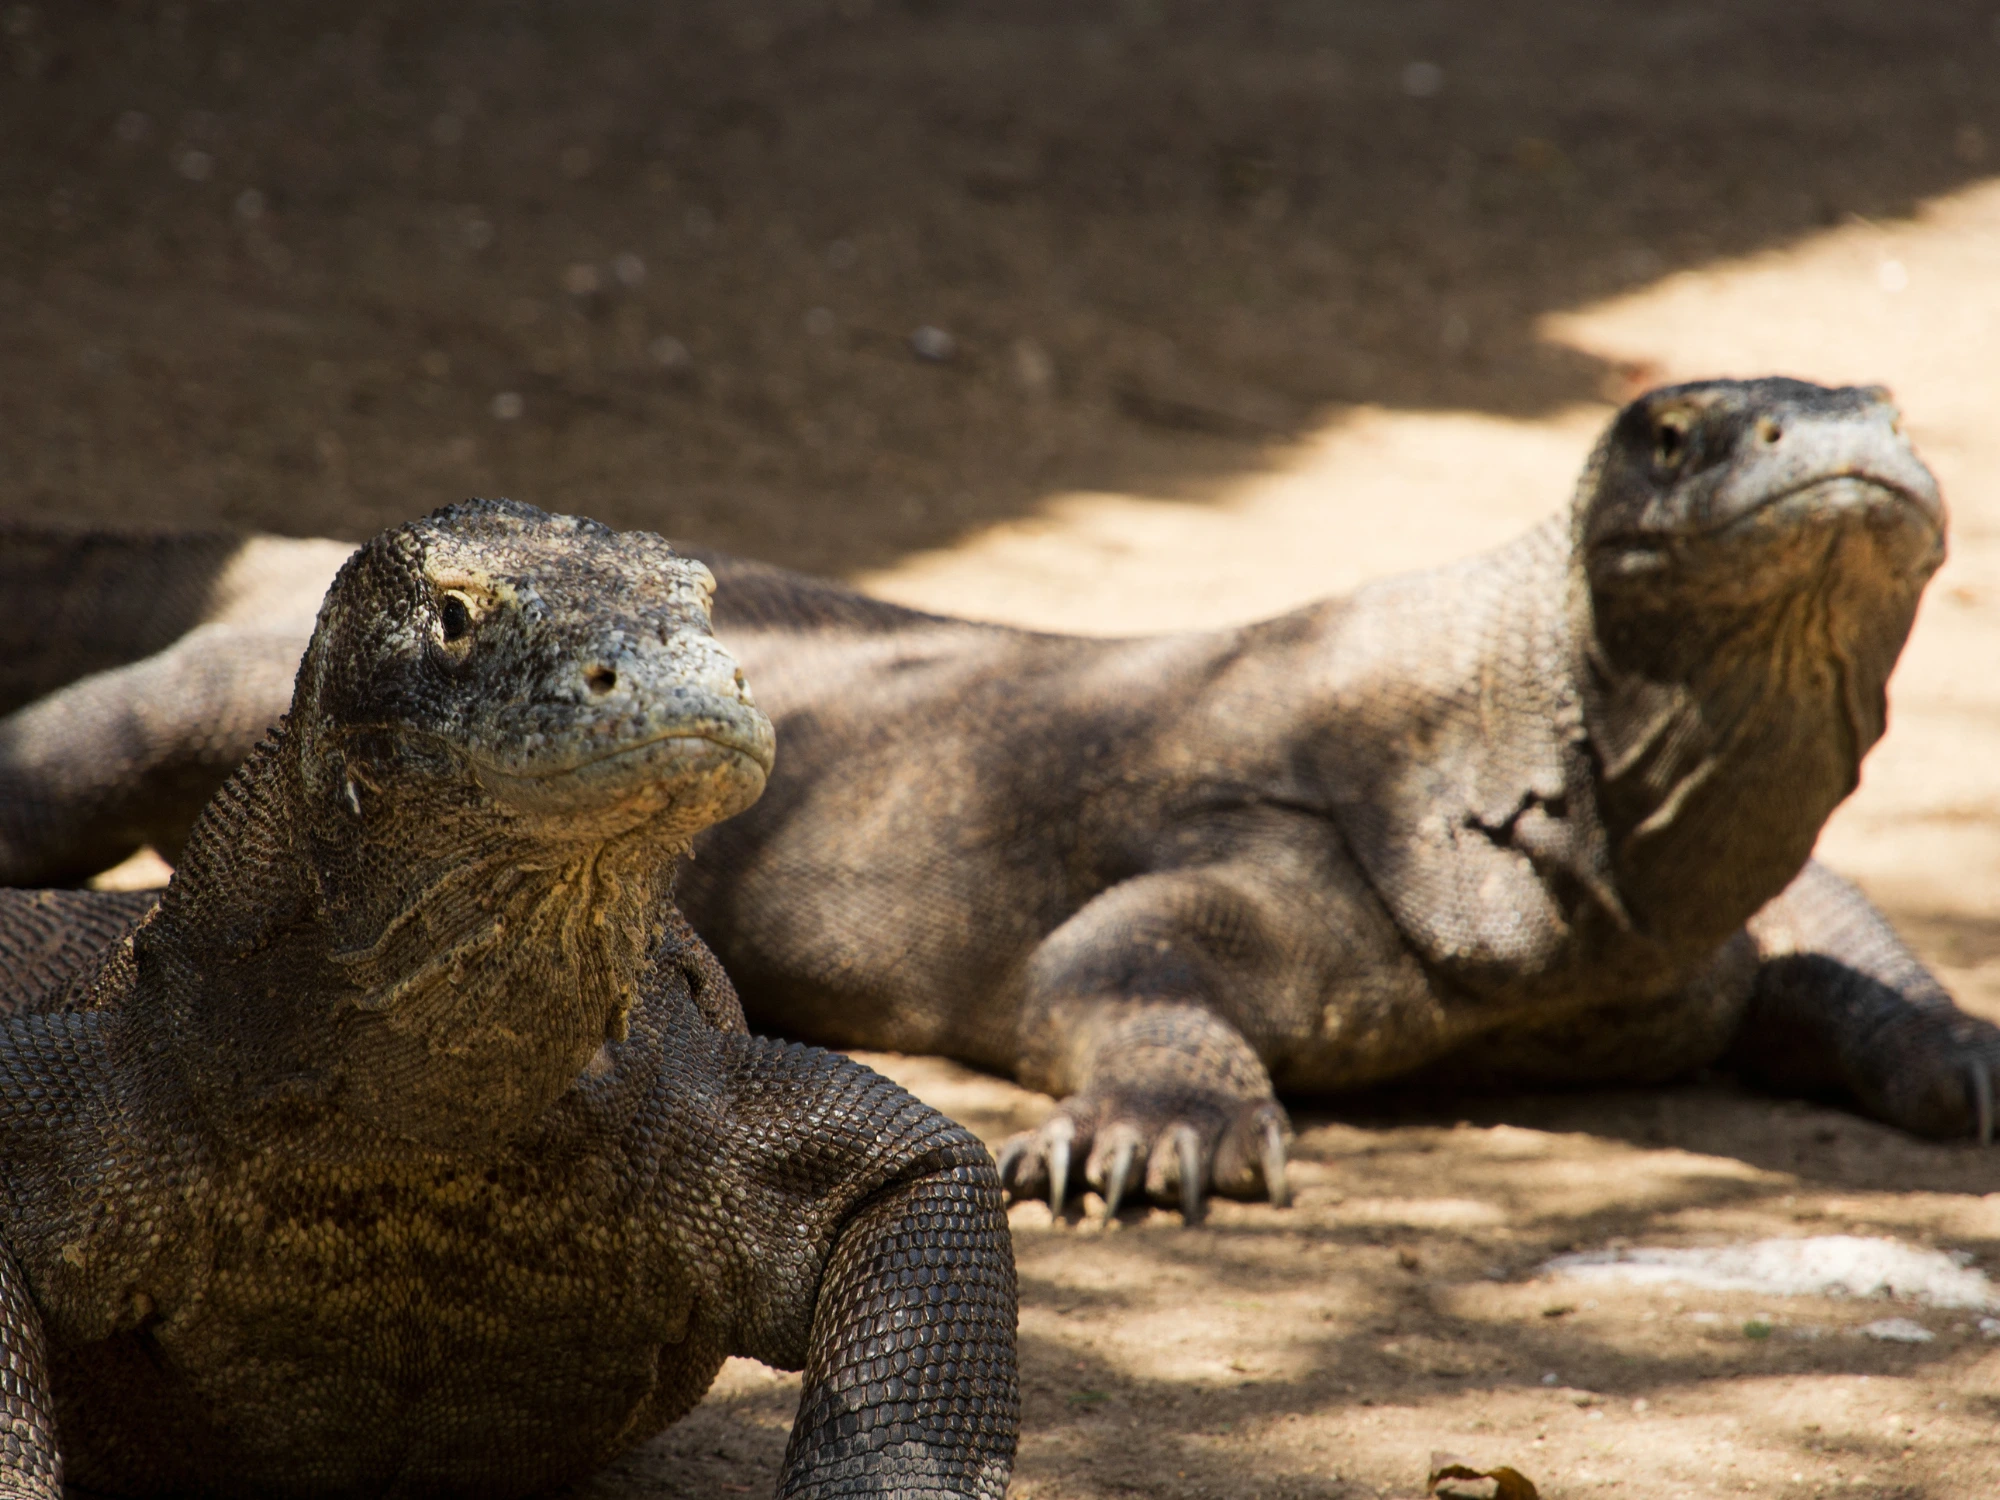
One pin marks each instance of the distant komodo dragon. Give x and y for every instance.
(413, 1145)
(1545, 815)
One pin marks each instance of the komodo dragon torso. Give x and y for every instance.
(1545, 814)
(414, 1146)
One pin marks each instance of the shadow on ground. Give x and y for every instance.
(1399, 1308)
(314, 268)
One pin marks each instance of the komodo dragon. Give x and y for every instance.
(414, 1146)
(1543, 815)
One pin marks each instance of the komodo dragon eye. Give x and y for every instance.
(455, 618)
(1670, 440)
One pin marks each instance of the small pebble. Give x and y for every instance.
(1423, 80)
(933, 343)
(508, 406)
(670, 353)
(1037, 375)
(628, 268)
(581, 280)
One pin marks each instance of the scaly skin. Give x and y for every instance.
(413, 1145)
(1538, 816)
(136, 672)
(1542, 815)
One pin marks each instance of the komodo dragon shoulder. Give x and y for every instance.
(413, 1145)
(1543, 814)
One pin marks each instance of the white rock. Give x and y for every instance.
(1897, 1331)
(1834, 1265)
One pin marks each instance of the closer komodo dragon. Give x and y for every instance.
(1543, 815)
(413, 1145)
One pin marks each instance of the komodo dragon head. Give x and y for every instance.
(1748, 560)
(442, 878)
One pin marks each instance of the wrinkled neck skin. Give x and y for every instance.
(1729, 695)
(427, 970)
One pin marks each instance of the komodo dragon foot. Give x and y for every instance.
(1172, 1099)
(1842, 1007)
(1177, 1147)
(1941, 1080)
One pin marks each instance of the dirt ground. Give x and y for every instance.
(1227, 306)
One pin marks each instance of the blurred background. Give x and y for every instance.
(829, 281)
(1115, 315)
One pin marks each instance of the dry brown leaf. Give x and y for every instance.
(1508, 1484)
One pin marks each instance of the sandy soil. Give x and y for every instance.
(1245, 304)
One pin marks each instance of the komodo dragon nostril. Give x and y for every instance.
(1769, 432)
(601, 680)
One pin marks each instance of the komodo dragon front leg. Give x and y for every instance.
(137, 669)
(30, 1464)
(891, 1284)
(1161, 1011)
(127, 756)
(1135, 1017)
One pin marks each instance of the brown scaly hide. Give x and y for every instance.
(1505, 820)
(1543, 814)
(414, 1146)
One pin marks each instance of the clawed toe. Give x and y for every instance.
(1128, 1153)
(1187, 1147)
(1979, 1084)
(1118, 1174)
(1274, 1164)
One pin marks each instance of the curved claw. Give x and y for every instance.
(1274, 1165)
(1117, 1175)
(1010, 1157)
(1982, 1101)
(1189, 1148)
(1058, 1175)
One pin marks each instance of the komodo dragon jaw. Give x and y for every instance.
(504, 733)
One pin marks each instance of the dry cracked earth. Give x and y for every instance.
(1115, 317)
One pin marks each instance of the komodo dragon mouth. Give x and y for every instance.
(721, 765)
(1840, 495)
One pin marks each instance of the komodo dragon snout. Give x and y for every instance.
(1758, 460)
